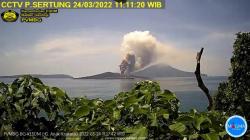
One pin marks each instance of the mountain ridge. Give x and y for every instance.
(151, 71)
(40, 76)
(110, 75)
(163, 70)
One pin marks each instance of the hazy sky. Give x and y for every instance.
(85, 42)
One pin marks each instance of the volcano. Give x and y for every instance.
(152, 71)
(162, 70)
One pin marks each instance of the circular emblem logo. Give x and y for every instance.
(236, 126)
(9, 16)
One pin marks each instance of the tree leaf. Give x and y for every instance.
(116, 114)
(139, 132)
(178, 127)
(153, 118)
(82, 111)
(166, 116)
(200, 120)
(58, 92)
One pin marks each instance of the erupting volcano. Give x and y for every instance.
(128, 64)
(139, 50)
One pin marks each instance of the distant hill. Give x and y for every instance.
(109, 75)
(41, 76)
(162, 70)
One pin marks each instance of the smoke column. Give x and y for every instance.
(139, 49)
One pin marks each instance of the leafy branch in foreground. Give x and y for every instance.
(27, 105)
(145, 112)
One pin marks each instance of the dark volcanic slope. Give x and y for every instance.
(153, 71)
(109, 75)
(106, 75)
(161, 70)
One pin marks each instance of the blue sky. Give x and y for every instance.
(85, 42)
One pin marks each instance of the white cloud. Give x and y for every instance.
(74, 45)
(75, 53)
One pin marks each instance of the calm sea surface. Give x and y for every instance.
(186, 88)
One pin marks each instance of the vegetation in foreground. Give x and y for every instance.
(27, 105)
(145, 112)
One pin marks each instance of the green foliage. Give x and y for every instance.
(225, 98)
(194, 125)
(27, 105)
(145, 112)
(233, 96)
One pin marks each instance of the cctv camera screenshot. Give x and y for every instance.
(125, 69)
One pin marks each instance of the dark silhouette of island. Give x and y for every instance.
(110, 75)
(41, 76)
(152, 71)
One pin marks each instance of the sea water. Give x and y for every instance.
(185, 88)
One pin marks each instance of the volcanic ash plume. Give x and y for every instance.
(128, 64)
(139, 49)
